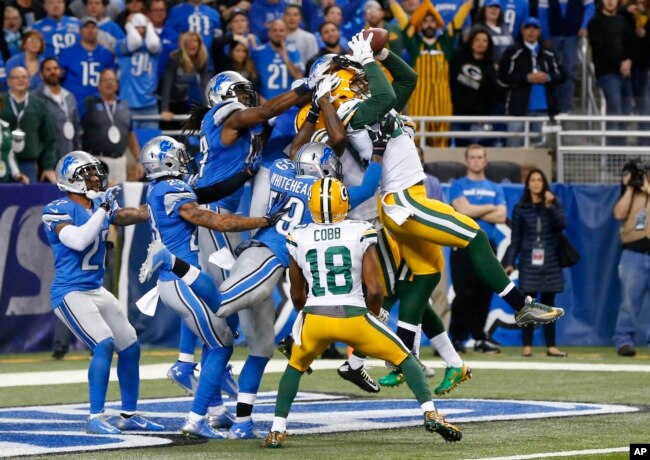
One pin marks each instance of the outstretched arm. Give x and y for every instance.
(130, 216)
(192, 213)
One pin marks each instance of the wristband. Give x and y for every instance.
(105, 206)
(302, 90)
(312, 117)
(383, 54)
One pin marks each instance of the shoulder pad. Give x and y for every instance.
(347, 110)
(226, 109)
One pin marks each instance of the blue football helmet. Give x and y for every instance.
(164, 156)
(230, 85)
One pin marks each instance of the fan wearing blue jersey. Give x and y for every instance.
(174, 216)
(230, 132)
(83, 62)
(138, 62)
(515, 12)
(76, 227)
(59, 31)
(278, 63)
(194, 16)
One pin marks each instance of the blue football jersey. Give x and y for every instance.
(216, 161)
(164, 200)
(138, 75)
(283, 133)
(58, 34)
(201, 19)
(81, 69)
(284, 180)
(515, 12)
(75, 270)
(275, 78)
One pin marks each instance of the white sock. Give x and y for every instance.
(447, 351)
(427, 406)
(194, 417)
(280, 424)
(355, 362)
(217, 410)
(97, 415)
(186, 357)
(191, 275)
(417, 341)
(243, 419)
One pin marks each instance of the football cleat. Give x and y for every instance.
(228, 383)
(182, 374)
(535, 312)
(99, 425)
(359, 377)
(224, 420)
(454, 376)
(158, 256)
(435, 423)
(244, 430)
(201, 429)
(138, 423)
(275, 439)
(393, 379)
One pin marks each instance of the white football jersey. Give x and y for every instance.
(402, 167)
(331, 259)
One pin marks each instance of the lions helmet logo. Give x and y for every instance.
(67, 162)
(164, 146)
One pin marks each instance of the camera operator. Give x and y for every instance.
(632, 209)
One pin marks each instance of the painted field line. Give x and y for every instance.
(566, 453)
(159, 371)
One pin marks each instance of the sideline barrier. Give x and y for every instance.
(591, 298)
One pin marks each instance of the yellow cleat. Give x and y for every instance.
(275, 439)
(435, 423)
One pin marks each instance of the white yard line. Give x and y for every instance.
(566, 453)
(159, 371)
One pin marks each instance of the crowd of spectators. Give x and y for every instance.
(473, 57)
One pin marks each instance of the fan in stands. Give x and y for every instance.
(379, 38)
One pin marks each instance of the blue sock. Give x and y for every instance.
(205, 287)
(212, 367)
(251, 375)
(128, 374)
(98, 372)
(188, 340)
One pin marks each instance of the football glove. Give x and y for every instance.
(277, 210)
(361, 50)
(381, 135)
(110, 198)
(284, 347)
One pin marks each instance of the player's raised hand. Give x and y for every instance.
(254, 163)
(361, 50)
(326, 86)
(110, 197)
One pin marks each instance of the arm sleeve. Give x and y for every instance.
(152, 40)
(221, 189)
(556, 216)
(460, 17)
(79, 238)
(404, 79)
(133, 40)
(588, 13)
(400, 15)
(380, 102)
(368, 187)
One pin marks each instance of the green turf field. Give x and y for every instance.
(481, 440)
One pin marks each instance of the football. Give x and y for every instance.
(379, 38)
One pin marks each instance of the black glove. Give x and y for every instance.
(277, 210)
(381, 136)
(254, 163)
(284, 347)
(314, 112)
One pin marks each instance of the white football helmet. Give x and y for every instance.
(230, 85)
(322, 65)
(164, 156)
(80, 172)
(316, 159)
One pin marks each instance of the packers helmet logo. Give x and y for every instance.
(329, 201)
